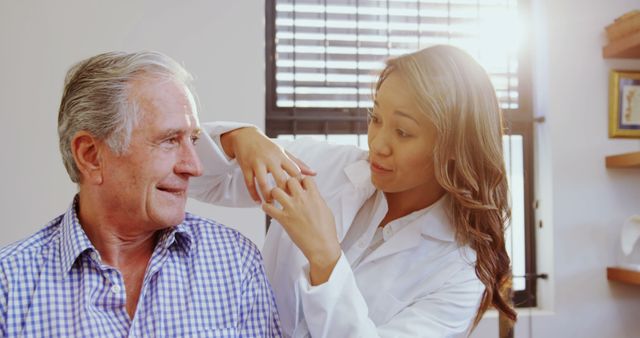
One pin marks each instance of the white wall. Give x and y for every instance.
(583, 204)
(222, 43)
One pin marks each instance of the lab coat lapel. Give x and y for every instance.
(408, 237)
(347, 214)
(434, 223)
(353, 195)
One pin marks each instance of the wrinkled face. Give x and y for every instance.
(401, 140)
(147, 185)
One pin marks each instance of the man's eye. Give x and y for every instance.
(373, 118)
(170, 142)
(194, 139)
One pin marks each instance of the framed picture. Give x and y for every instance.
(624, 104)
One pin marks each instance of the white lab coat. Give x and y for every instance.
(420, 283)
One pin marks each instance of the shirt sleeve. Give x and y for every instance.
(3, 303)
(258, 312)
(338, 309)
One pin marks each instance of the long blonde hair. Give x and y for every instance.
(455, 92)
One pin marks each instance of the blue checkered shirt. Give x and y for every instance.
(203, 280)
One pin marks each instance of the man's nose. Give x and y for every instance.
(189, 163)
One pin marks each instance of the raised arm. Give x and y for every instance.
(234, 157)
(238, 160)
(258, 156)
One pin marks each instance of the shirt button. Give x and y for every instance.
(115, 288)
(95, 256)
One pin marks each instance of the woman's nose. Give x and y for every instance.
(379, 145)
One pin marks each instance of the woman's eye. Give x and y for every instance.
(402, 133)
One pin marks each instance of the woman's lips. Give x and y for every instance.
(375, 167)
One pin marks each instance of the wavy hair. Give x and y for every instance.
(455, 92)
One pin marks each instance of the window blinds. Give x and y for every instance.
(328, 52)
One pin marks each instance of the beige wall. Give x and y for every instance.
(220, 42)
(583, 204)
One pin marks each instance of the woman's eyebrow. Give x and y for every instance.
(406, 115)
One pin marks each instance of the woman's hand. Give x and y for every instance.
(258, 156)
(310, 224)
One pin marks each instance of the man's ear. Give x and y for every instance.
(86, 151)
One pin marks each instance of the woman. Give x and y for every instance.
(405, 240)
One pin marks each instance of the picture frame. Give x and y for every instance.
(624, 104)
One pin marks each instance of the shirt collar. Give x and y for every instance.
(431, 221)
(74, 241)
(436, 222)
(359, 174)
(179, 235)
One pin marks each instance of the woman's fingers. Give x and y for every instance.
(263, 184)
(247, 173)
(279, 175)
(293, 187)
(259, 157)
(308, 183)
(273, 211)
(295, 166)
(256, 178)
(281, 197)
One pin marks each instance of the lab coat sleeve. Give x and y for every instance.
(222, 182)
(338, 309)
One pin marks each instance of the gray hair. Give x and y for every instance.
(96, 98)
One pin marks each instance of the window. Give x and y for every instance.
(323, 57)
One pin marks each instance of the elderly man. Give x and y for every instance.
(125, 260)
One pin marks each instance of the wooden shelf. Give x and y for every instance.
(628, 160)
(624, 48)
(623, 275)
